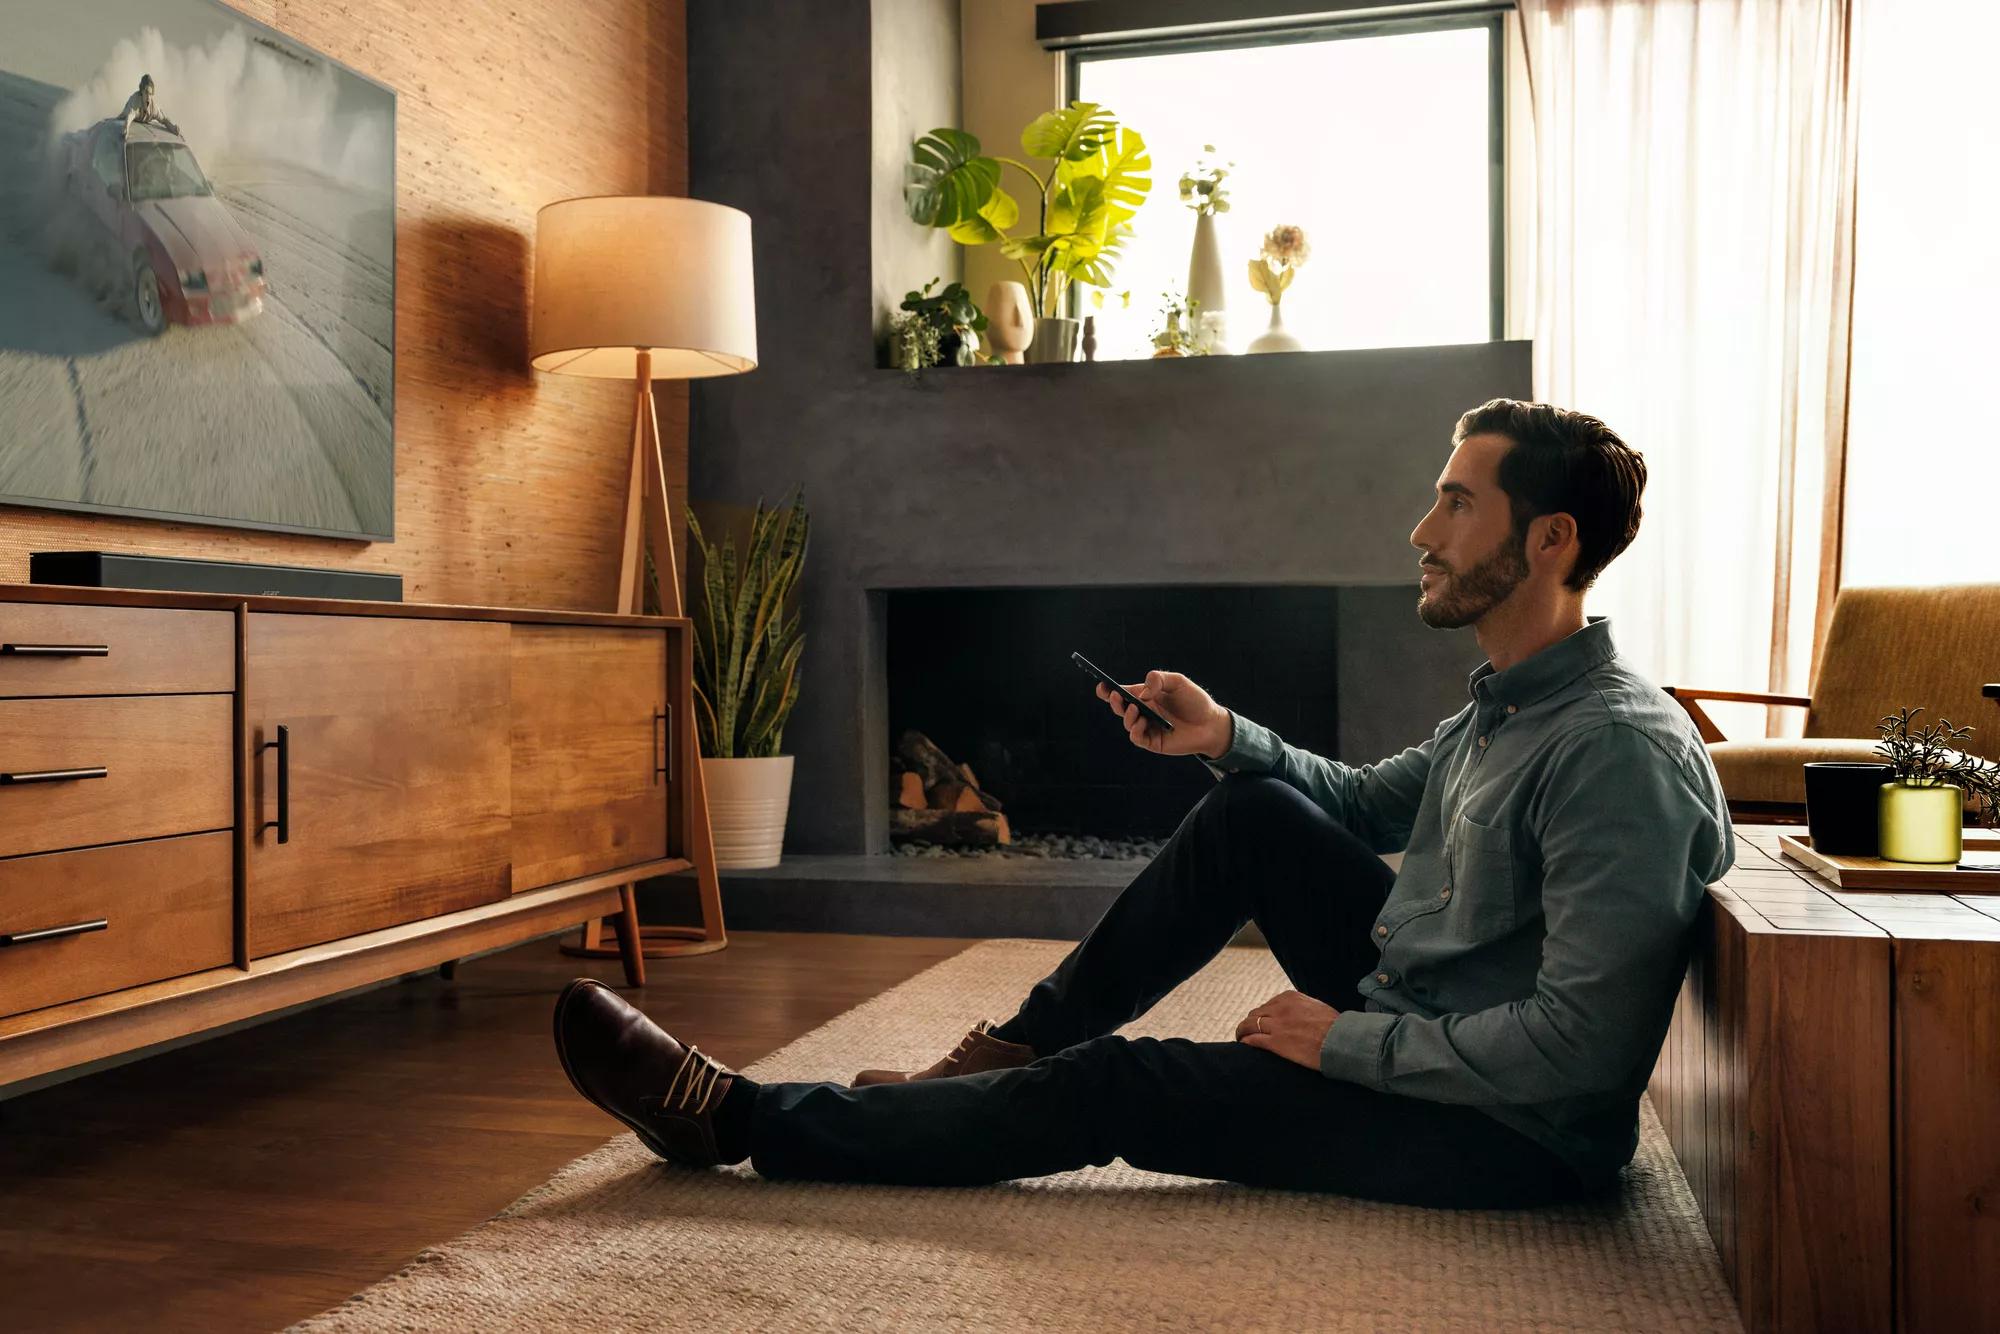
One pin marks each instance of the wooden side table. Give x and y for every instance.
(1831, 1085)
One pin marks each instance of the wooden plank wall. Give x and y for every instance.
(508, 483)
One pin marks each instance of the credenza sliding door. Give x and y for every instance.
(378, 773)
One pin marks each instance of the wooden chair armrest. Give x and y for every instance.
(1704, 724)
(1740, 696)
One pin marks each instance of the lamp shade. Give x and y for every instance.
(615, 275)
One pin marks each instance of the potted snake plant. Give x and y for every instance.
(746, 678)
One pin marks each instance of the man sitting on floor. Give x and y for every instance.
(1474, 1030)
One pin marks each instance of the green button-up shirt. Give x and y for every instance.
(1558, 836)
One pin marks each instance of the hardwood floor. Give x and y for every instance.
(254, 1179)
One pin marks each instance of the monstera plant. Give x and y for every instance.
(1097, 176)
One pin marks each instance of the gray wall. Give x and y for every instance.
(915, 84)
(1294, 468)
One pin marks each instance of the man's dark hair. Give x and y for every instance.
(1570, 463)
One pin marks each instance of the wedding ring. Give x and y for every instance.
(1260, 1023)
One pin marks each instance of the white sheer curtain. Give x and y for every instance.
(1689, 279)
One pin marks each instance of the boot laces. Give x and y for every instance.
(701, 1074)
(966, 1041)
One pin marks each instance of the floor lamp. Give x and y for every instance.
(641, 288)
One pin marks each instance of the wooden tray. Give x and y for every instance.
(1874, 873)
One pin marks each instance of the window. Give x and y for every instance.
(1382, 141)
(104, 159)
(1921, 463)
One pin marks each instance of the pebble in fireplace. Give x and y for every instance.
(1015, 756)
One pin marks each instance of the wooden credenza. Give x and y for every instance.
(215, 807)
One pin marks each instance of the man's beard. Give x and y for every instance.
(1479, 589)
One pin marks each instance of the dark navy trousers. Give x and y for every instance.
(1254, 848)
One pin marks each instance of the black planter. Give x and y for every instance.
(1841, 806)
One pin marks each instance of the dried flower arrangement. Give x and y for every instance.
(1284, 252)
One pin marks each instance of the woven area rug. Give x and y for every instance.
(619, 1241)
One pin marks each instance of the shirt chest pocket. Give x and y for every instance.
(1482, 881)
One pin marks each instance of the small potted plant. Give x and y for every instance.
(1922, 805)
(936, 330)
(1179, 320)
(746, 678)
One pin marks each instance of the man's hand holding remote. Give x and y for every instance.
(1201, 726)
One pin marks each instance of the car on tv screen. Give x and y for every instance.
(184, 258)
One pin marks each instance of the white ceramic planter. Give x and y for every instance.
(747, 803)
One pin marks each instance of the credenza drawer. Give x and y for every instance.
(166, 906)
(56, 649)
(76, 772)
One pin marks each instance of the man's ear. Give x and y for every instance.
(1554, 535)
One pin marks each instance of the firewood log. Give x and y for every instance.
(947, 828)
(920, 753)
(910, 790)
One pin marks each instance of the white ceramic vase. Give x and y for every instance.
(1277, 338)
(747, 803)
(1204, 283)
(1010, 320)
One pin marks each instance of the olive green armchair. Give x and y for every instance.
(1887, 648)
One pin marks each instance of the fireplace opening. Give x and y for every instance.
(984, 677)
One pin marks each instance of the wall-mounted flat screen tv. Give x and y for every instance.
(197, 270)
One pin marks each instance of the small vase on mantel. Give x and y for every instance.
(1204, 284)
(1277, 338)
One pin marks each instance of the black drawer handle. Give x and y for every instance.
(56, 650)
(283, 745)
(53, 776)
(665, 768)
(51, 932)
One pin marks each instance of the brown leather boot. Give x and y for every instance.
(635, 1070)
(978, 1050)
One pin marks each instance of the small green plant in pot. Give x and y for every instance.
(1922, 806)
(933, 330)
(747, 647)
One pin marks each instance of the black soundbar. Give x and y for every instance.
(172, 574)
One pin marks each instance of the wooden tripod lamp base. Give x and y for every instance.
(649, 528)
(630, 286)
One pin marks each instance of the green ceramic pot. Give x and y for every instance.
(1922, 822)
